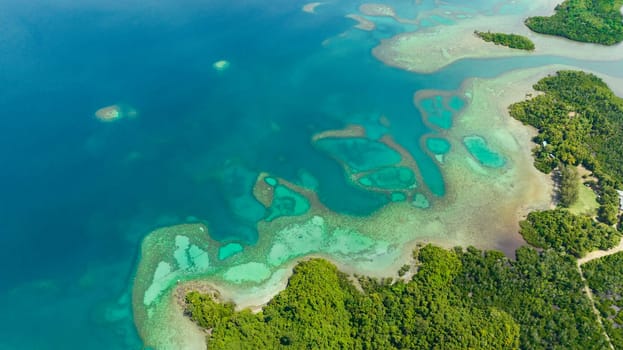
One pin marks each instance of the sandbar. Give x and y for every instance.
(221, 65)
(378, 10)
(109, 113)
(362, 23)
(311, 7)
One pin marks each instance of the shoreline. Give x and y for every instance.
(432, 49)
(519, 188)
(509, 88)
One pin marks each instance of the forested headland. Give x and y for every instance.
(591, 21)
(457, 300)
(580, 121)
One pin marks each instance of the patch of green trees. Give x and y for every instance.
(568, 182)
(456, 300)
(513, 41)
(580, 121)
(605, 278)
(561, 230)
(591, 21)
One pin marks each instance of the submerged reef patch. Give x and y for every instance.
(439, 108)
(379, 165)
(221, 65)
(115, 112)
(480, 150)
(359, 154)
(438, 145)
(390, 178)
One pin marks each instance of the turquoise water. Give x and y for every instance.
(479, 149)
(286, 202)
(390, 178)
(359, 154)
(229, 250)
(438, 145)
(79, 194)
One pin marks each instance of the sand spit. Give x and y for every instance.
(432, 49)
(362, 22)
(377, 10)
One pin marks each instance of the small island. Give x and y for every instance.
(514, 41)
(590, 21)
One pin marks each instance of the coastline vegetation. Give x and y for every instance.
(514, 41)
(457, 300)
(568, 180)
(580, 121)
(605, 278)
(561, 230)
(591, 21)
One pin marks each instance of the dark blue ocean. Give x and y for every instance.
(77, 195)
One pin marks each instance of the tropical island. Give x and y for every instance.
(468, 298)
(590, 21)
(514, 41)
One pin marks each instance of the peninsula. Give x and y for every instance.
(589, 21)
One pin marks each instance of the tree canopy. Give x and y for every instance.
(514, 41)
(605, 278)
(580, 121)
(456, 300)
(591, 21)
(573, 234)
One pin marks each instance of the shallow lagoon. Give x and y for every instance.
(80, 195)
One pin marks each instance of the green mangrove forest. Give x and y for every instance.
(605, 277)
(591, 21)
(457, 300)
(514, 41)
(580, 121)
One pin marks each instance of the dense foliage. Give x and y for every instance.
(320, 321)
(568, 182)
(605, 278)
(593, 21)
(456, 300)
(580, 121)
(561, 230)
(513, 41)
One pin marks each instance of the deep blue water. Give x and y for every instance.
(77, 195)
